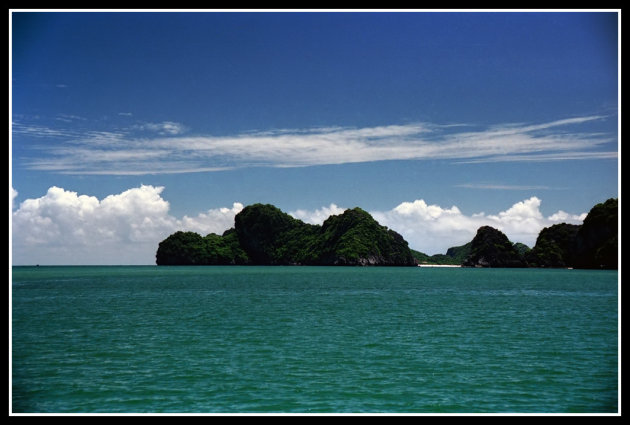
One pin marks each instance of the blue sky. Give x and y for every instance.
(189, 114)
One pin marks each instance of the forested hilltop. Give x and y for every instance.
(591, 245)
(264, 235)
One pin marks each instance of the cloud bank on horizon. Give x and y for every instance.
(63, 227)
(165, 147)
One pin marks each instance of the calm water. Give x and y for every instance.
(313, 339)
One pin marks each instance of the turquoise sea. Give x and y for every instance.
(148, 339)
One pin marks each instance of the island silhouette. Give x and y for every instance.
(265, 235)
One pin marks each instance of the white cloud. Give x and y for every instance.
(12, 195)
(565, 217)
(66, 228)
(170, 152)
(213, 221)
(69, 118)
(489, 186)
(547, 157)
(429, 228)
(39, 131)
(317, 216)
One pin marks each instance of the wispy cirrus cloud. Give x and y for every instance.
(164, 128)
(165, 149)
(69, 118)
(33, 130)
(546, 157)
(491, 186)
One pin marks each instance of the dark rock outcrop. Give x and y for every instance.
(491, 248)
(555, 246)
(265, 235)
(597, 242)
(591, 245)
(355, 238)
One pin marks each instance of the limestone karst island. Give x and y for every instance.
(264, 235)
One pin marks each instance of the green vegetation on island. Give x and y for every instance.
(591, 245)
(264, 235)
(597, 240)
(190, 248)
(454, 256)
(555, 246)
(491, 248)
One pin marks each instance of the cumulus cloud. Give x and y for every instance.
(167, 150)
(12, 195)
(63, 227)
(212, 221)
(433, 229)
(317, 216)
(565, 217)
